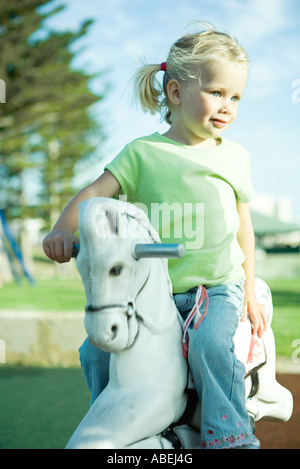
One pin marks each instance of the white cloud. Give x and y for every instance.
(254, 21)
(268, 29)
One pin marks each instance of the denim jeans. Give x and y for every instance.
(218, 375)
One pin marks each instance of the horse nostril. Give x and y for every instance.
(114, 329)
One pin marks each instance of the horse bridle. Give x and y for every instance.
(129, 307)
(130, 310)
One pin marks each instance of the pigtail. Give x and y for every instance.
(147, 88)
(185, 60)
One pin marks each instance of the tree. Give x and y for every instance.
(46, 121)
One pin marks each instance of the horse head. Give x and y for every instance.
(116, 238)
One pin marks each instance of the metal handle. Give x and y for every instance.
(149, 250)
(159, 250)
(75, 250)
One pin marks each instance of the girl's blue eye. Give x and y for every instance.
(216, 94)
(234, 99)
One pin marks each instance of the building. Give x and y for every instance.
(275, 227)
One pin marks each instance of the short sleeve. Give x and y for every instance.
(124, 168)
(246, 192)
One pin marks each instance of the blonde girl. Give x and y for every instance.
(202, 82)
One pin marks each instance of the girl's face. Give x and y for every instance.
(202, 111)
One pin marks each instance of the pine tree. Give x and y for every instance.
(45, 123)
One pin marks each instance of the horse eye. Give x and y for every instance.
(116, 270)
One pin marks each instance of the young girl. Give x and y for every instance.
(203, 81)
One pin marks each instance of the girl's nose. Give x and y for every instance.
(226, 107)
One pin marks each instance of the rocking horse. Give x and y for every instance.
(130, 313)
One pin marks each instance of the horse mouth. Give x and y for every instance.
(133, 330)
(112, 328)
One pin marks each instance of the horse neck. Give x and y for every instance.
(155, 299)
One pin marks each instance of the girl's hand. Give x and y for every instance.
(255, 311)
(58, 245)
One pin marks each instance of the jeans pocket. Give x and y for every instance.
(237, 294)
(185, 302)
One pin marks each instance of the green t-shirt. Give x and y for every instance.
(189, 194)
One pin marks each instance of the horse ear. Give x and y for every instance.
(159, 250)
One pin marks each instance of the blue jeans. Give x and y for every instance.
(218, 375)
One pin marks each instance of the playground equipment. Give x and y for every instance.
(11, 253)
(131, 314)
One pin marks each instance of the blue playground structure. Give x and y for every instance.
(14, 253)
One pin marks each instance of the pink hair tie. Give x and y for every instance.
(163, 66)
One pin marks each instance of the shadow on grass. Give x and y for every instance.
(285, 297)
(39, 407)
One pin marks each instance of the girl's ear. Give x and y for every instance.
(174, 92)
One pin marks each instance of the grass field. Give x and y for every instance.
(39, 407)
(286, 319)
(46, 295)
(68, 295)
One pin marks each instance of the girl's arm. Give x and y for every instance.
(58, 244)
(247, 242)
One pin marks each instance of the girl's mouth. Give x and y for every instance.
(219, 123)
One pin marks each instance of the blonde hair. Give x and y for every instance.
(184, 61)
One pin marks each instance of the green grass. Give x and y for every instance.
(286, 319)
(68, 295)
(39, 407)
(46, 295)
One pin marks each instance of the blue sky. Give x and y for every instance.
(269, 118)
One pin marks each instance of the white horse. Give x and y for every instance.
(131, 314)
